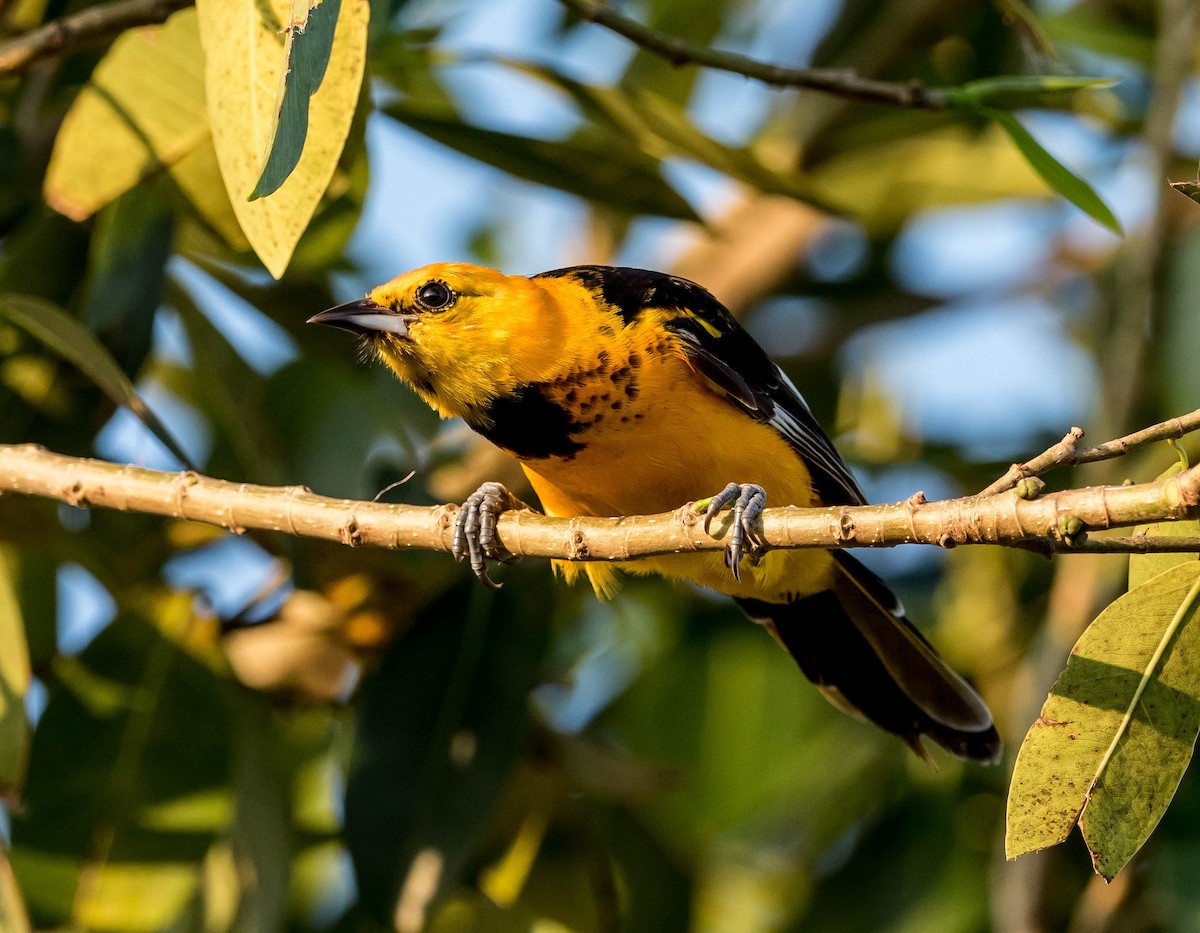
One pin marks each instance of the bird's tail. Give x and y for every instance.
(853, 642)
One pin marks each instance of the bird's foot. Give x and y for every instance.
(475, 529)
(748, 502)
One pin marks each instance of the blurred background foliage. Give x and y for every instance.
(259, 732)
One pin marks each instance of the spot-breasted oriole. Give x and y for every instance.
(627, 392)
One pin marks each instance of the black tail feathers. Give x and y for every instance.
(853, 642)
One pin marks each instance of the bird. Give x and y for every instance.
(625, 391)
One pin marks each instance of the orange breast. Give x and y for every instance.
(658, 435)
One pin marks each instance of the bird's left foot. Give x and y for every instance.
(748, 502)
(475, 528)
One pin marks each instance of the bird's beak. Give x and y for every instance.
(365, 317)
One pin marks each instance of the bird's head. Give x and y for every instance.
(460, 335)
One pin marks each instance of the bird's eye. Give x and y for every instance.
(435, 296)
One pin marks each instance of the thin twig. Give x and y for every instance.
(95, 24)
(1134, 544)
(1006, 520)
(1066, 453)
(843, 82)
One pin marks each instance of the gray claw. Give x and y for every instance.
(748, 502)
(475, 528)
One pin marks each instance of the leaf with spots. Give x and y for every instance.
(1117, 730)
(246, 58)
(1142, 567)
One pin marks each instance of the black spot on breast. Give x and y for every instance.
(631, 389)
(530, 425)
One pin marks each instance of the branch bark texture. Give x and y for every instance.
(1067, 452)
(95, 24)
(1057, 521)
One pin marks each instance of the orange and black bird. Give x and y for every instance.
(629, 392)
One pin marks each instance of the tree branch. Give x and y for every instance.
(841, 81)
(94, 24)
(1065, 453)
(1051, 523)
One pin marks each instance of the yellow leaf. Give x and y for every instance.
(244, 48)
(14, 681)
(199, 178)
(141, 113)
(13, 916)
(1117, 731)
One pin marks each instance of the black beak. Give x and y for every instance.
(364, 317)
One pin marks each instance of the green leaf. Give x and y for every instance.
(308, 44)
(1143, 567)
(440, 726)
(1188, 189)
(142, 112)
(224, 385)
(1117, 730)
(244, 57)
(661, 127)
(1116, 37)
(73, 342)
(1053, 172)
(601, 170)
(129, 779)
(14, 681)
(126, 271)
(1010, 92)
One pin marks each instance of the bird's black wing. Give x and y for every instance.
(721, 350)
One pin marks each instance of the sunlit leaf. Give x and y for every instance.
(141, 113)
(75, 343)
(308, 43)
(1053, 172)
(14, 681)
(1118, 728)
(198, 177)
(244, 60)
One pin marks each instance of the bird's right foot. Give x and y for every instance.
(475, 528)
(748, 502)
